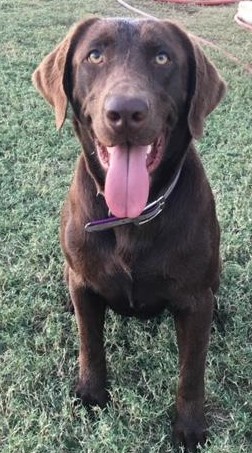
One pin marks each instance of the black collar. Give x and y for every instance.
(151, 211)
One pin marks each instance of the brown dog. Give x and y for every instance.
(139, 91)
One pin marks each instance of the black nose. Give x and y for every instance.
(124, 111)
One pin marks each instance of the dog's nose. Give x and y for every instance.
(122, 111)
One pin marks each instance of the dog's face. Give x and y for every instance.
(129, 80)
(130, 84)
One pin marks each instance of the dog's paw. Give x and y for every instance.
(91, 395)
(190, 432)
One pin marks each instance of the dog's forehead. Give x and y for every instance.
(136, 36)
(133, 29)
(129, 22)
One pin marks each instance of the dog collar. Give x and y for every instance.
(149, 213)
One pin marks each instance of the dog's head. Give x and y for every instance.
(133, 86)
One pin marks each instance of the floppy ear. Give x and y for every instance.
(209, 90)
(48, 77)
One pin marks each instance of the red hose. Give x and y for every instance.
(199, 2)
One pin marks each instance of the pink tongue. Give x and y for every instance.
(127, 181)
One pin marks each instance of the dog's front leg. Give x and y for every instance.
(193, 328)
(89, 312)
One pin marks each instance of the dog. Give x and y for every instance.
(138, 229)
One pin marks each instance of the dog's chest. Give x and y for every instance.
(136, 296)
(137, 282)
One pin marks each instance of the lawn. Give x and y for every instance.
(38, 337)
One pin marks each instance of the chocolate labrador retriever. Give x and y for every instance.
(139, 228)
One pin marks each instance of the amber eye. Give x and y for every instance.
(95, 56)
(162, 58)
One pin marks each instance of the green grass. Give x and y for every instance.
(38, 338)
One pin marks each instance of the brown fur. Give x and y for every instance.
(173, 261)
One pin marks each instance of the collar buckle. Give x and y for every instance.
(151, 211)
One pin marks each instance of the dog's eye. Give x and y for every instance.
(95, 56)
(162, 58)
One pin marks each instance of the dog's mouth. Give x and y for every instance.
(128, 171)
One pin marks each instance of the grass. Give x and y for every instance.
(38, 338)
